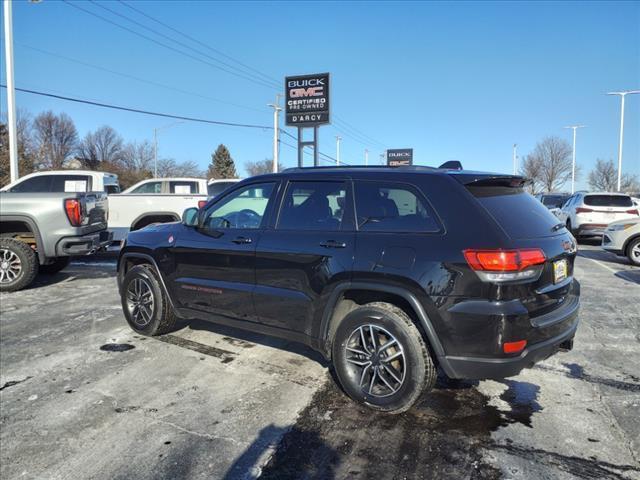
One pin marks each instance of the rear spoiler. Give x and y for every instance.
(484, 180)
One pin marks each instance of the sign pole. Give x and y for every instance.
(300, 147)
(316, 162)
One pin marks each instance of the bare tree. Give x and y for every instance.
(260, 167)
(25, 147)
(604, 178)
(532, 170)
(168, 167)
(102, 146)
(55, 138)
(552, 161)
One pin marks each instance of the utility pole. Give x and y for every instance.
(366, 157)
(338, 138)
(515, 159)
(276, 131)
(573, 162)
(622, 94)
(11, 92)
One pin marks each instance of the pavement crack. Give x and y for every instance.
(197, 434)
(11, 383)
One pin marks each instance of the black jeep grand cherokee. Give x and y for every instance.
(389, 272)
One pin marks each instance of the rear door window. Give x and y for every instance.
(183, 187)
(392, 207)
(313, 206)
(608, 201)
(518, 213)
(149, 187)
(70, 183)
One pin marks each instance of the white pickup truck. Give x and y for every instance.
(159, 200)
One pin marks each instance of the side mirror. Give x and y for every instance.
(190, 217)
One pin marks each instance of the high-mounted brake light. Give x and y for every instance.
(201, 203)
(74, 211)
(504, 260)
(583, 210)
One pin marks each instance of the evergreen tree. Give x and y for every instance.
(222, 165)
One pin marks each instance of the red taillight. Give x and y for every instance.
(504, 260)
(74, 211)
(583, 210)
(201, 203)
(514, 347)
(633, 211)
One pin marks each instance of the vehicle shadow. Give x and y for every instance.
(254, 338)
(71, 273)
(604, 256)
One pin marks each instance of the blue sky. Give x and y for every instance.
(452, 80)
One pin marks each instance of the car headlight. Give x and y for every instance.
(620, 226)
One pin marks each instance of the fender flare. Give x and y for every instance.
(175, 216)
(31, 222)
(425, 322)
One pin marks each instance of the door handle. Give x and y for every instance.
(333, 244)
(241, 240)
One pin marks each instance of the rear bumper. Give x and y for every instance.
(84, 244)
(547, 334)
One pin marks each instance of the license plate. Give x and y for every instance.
(559, 270)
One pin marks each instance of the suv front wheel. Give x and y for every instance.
(381, 358)
(145, 303)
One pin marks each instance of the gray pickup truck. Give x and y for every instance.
(40, 231)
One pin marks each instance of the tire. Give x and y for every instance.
(412, 370)
(18, 265)
(59, 263)
(154, 315)
(633, 252)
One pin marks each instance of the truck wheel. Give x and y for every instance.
(18, 265)
(58, 264)
(145, 303)
(633, 251)
(381, 358)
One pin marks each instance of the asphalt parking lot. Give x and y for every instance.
(82, 396)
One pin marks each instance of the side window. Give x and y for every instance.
(242, 209)
(149, 187)
(183, 188)
(34, 184)
(70, 183)
(313, 206)
(392, 207)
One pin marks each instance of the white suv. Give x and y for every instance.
(588, 214)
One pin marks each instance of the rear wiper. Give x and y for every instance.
(557, 227)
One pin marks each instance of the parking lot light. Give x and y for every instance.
(622, 94)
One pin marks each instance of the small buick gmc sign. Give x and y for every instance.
(400, 156)
(307, 100)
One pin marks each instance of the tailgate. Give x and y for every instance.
(95, 207)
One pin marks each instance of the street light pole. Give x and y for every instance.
(11, 92)
(622, 94)
(515, 156)
(276, 132)
(573, 157)
(338, 138)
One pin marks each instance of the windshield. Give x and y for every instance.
(553, 201)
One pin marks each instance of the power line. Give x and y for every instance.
(157, 42)
(182, 44)
(133, 77)
(144, 112)
(195, 40)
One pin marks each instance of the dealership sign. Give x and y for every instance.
(307, 100)
(400, 156)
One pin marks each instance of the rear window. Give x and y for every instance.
(519, 214)
(553, 201)
(217, 188)
(608, 201)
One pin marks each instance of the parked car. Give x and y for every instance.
(40, 231)
(387, 272)
(216, 187)
(552, 200)
(156, 200)
(65, 181)
(588, 214)
(623, 238)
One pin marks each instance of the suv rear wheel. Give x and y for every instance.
(633, 251)
(18, 265)
(145, 303)
(381, 358)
